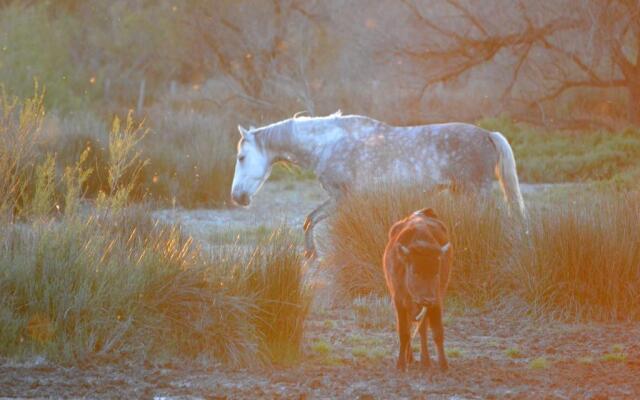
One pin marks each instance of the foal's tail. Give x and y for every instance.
(506, 172)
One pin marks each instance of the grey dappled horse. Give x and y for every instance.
(351, 152)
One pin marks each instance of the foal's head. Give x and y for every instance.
(253, 167)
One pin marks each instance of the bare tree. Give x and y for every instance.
(549, 49)
(257, 46)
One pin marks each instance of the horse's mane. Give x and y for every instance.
(298, 117)
(280, 127)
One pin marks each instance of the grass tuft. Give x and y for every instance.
(539, 363)
(321, 348)
(122, 284)
(358, 236)
(454, 352)
(372, 312)
(578, 259)
(272, 271)
(513, 352)
(581, 258)
(614, 357)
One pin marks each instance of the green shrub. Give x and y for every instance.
(36, 46)
(548, 156)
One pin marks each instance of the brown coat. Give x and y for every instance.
(417, 264)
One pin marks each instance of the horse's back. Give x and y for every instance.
(435, 154)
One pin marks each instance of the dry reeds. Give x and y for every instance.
(575, 260)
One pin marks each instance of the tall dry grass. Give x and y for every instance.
(573, 260)
(273, 271)
(191, 158)
(20, 129)
(122, 285)
(582, 259)
(111, 281)
(479, 233)
(77, 289)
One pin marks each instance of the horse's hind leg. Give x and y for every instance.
(317, 215)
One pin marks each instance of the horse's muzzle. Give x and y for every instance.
(241, 199)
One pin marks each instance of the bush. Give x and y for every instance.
(36, 46)
(20, 129)
(547, 156)
(69, 137)
(579, 259)
(76, 289)
(273, 273)
(358, 235)
(118, 283)
(191, 158)
(582, 259)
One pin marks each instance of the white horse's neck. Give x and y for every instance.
(299, 141)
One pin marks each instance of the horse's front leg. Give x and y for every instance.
(317, 215)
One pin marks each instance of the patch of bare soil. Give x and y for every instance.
(481, 367)
(493, 353)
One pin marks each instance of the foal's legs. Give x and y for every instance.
(404, 335)
(435, 320)
(425, 360)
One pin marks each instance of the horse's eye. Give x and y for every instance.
(241, 158)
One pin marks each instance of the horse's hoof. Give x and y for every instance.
(425, 364)
(444, 366)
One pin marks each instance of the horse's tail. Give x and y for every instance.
(506, 172)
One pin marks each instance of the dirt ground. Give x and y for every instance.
(492, 353)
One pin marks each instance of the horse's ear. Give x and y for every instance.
(245, 133)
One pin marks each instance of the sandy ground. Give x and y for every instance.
(358, 363)
(481, 370)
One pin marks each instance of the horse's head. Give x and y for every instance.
(252, 168)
